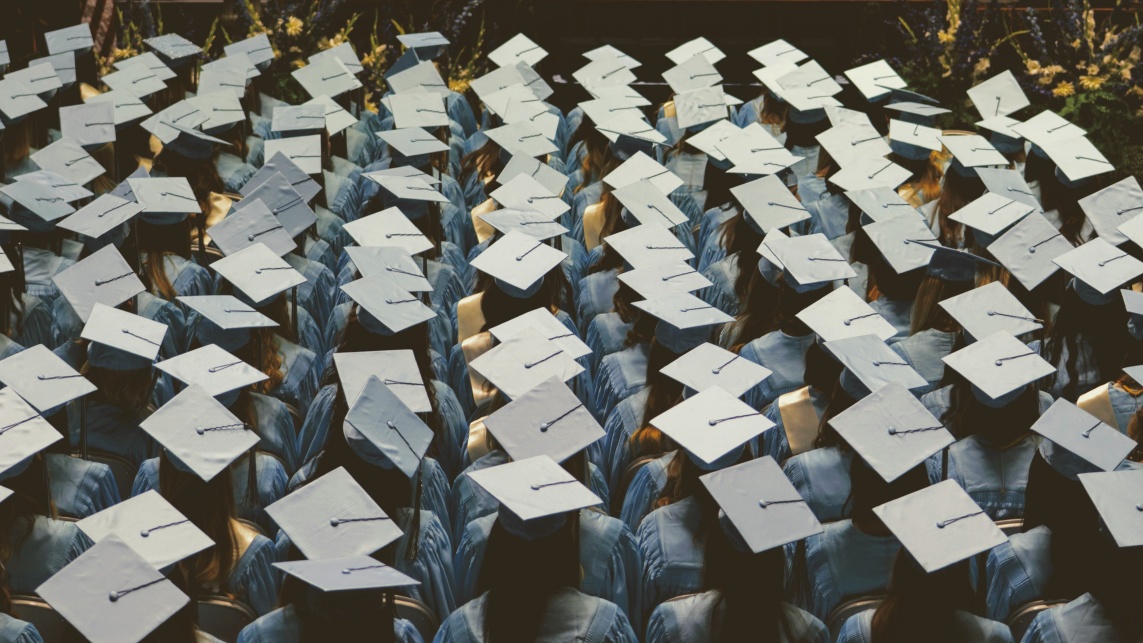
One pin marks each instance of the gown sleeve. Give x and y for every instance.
(255, 580)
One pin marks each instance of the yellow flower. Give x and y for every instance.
(298, 63)
(1126, 73)
(1092, 70)
(1063, 90)
(1076, 43)
(294, 26)
(945, 37)
(1032, 66)
(1091, 82)
(1052, 70)
(981, 67)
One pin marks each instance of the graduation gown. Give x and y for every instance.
(966, 627)
(689, 620)
(844, 562)
(570, 615)
(284, 626)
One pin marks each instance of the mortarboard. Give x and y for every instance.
(76, 38)
(258, 273)
(518, 260)
(998, 365)
(393, 262)
(1029, 249)
(1100, 265)
(257, 48)
(384, 432)
(253, 224)
(532, 490)
(542, 321)
(173, 49)
(870, 365)
(388, 227)
(327, 76)
(762, 505)
(992, 214)
(693, 48)
(149, 60)
(989, 309)
(303, 151)
(212, 369)
(998, 96)
(841, 314)
(41, 378)
(426, 45)
(769, 203)
(88, 124)
(870, 173)
(518, 49)
(1078, 158)
(521, 138)
(1115, 207)
(521, 362)
(396, 369)
(278, 194)
(346, 573)
(1047, 127)
(23, 434)
(17, 100)
(165, 200)
(129, 108)
(709, 365)
(1084, 436)
(67, 158)
(547, 420)
(712, 425)
(662, 279)
(385, 308)
(302, 183)
(639, 167)
(151, 527)
(104, 277)
(777, 52)
(648, 245)
(875, 80)
(1115, 495)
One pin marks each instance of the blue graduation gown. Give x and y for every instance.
(689, 620)
(48, 548)
(80, 488)
(1079, 621)
(36, 323)
(234, 172)
(1018, 571)
(570, 615)
(821, 476)
(13, 630)
(645, 489)
(111, 430)
(254, 580)
(595, 295)
(620, 375)
(672, 555)
(316, 294)
(284, 626)
(774, 442)
(623, 421)
(607, 553)
(995, 478)
(40, 266)
(709, 226)
(925, 351)
(301, 370)
(842, 563)
(606, 334)
(896, 312)
(722, 275)
(187, 277)
(785, 356)
(966, 627)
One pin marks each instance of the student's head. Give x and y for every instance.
(210, 506)
(751, 588)
(869, 490)
(920, 605)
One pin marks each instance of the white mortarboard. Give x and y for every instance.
(41, 79)
(173, 48)
(841, 314)
(41, 200)
(391, 261)
(409, 188)
(257, 48)
(518, 48)
(1115, 495)
(149, 60)
(124, 331)
(918, 112)
(151, 526)
(999, 364)
(1029, 250)
(74, 38)
(842, 117)
(104, 277)
(258, 272)
(998, 96)
(222, 109)
(199, 433)
(906, 242)
(67, 158)
(649, 205)
(1078, 158)
(332, 517)
(23, 433)
(278, 195)
(777, 52)
(165, 199)
(518, 260)
(619, 91)
(418, 110)
(136, 80)
(988, 309)
(1008, 183)
(343, 52)
(346, 573)
(700, 106)
(891, 430)
(880, 204)
(396, 369)
(396, 309)
(694, 47)
(762, 504)
(683, 311)
(807, 79)
(940, 525)
(693, 73)
(709, 140)
(631, 131)
(43, 379)
(63, 186)
(1114, 206)
(1100, 265)
(223, 79)
(388, 227)
(213, 369)
(604, 73)
(810, 260)
(870, 360)
(853, 144)
(420, 77)
(336, 118)
(63, 65)
(547, 420)
(227, 312)
(992, 213)
(111, 594)
(525, 193)
(870, 173)
(660, 279)
(326, 76)
(88, 124)
(521, 138)
(412, 141)
(709, 365)
(238, 61)
(540, 227)
(128, 107)
(875, 79)
(17, 100)
(427, 45)
(549, 177)
(1047, 127)
(515, 103)
(298, 119)
(545, 323)
(915, 134)
(5, 58)
(303, 151)
(518, 364)
(769, 203)
(302, 183)
(1002, 125)
(535, 488)
(973, 150)
(253, 224)
(711, 424)
(648, 245)
(610, 52)
(639, 167)
(383, 431)
(1081, 433)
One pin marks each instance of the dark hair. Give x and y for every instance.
(11, 294)
(202, 176)
(1111, 569)
(1079, 328)
(868, 490)
(31, 497)
(663, 393)
(609, 259)
(156, 242)
(182, 626)
(129, 391)
(922, 606)
(958, 191)
(340, 616)
(498, 307)
(926, 311)
(967, 416)
(521, 575)
(740, 240)
(1059, 503)
(751, 591)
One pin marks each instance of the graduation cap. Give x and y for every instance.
(542, 321)
(258, 273)
(149, 60)
(1048, 127)
(547, 420)
(916, 112)
(295, 120)
(649, 205)
(1113, 211)
(999, 365)
(849, 145)
(213, 369)
(534, 495)
(43, 379)
(121, 340)
(1000, 95)
(332, 517)
(63, 65)
(664, 279)
(992, 214)
(413, 142)
(253, 224)
(426, 45)
(940, 525)
(225, 320)
(393, 262)
(611, 52)
(257, 48)
(238, 61)
(550, 178)
(128, 107)
(539, 226)
(384, 432)
(777, 52)
(875, 80)
(905, 242)
(303, 184)
(151, 526)
(913, 140)
(1116, 498)
(76, 38)
(640, 167)
(346, 574)
(519, 261)
(23, 434)
(418, 110)
(303, 151)
(699, 107)
(420, 77)
(182, 114)
(604, 73)
(521, 362)
(712, 425)
(1008, 183)
(761, 504)
(223, 79)
(988, 309)
(111, 594)
(409, 188)
(972, 151)
(35, 205)
(695, 47)
(810, 262)
(336, 118)
(1001, 135)
(396, 369)
(104, 277)
(1082, 435)
(518, 49)
(388, 227)
(841, 314)
(41, 79)
(17, 100)
(326, 76)
(344, 53)
(769, 203)
(879, 204)
(693, 73)
(521, 138)
(222, 109)
(708, 365)
(710, 139)
(173, 49)
(90, 124)
(165, 200)
(679, 312)
(1100, 265)
(385, 308)
(64, 187)
(648, 245)
(869, 365)
(280, 196)
(1077, 158)
(1029, 250)
(67, 158)
(870, 173)
(135, 80)
(515, 103)
(523, 192)
(891, 430)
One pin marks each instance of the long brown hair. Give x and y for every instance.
(922, 606)
(482, 162)
(498, 307)
(926, 311)
(11, 291)
(958, 191)
(210, 506)
(663, 393)
(202, 176)
(129, 391)
(156, 242)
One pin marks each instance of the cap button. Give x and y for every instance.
(333, 522)
(144, 533)
(200, 431)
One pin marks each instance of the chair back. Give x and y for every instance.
(1022, 618)
(1010, 526)
(418, 614)
(619, 493)
(841, 613)
(49, 623)
(223, 617)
